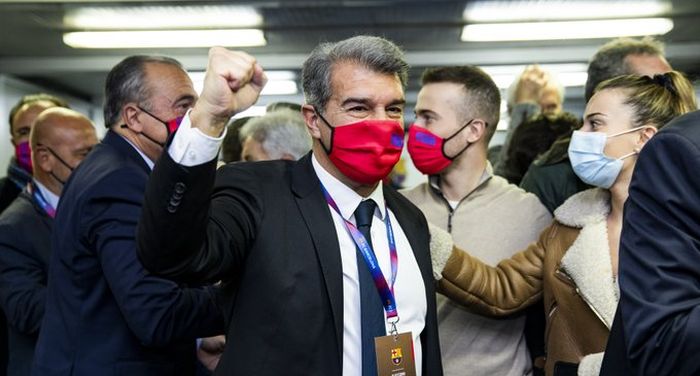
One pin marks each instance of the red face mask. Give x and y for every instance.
(23, 153)
(367, 150)
(427, 150)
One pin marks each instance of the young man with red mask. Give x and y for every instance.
(456, 115)
(317, 257)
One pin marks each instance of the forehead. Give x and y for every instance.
(30, 111)
(608, 101)
(353, 80)
(167, 80)
(647, 65)
(437, 95)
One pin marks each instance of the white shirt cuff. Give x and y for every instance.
(191, 147)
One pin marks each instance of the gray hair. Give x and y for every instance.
(553, 81)
(126, 83)
(609, 61)
(279, 132)
(374, 53)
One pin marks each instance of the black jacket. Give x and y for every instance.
(657, 328)
(265, 229)
(25, 246)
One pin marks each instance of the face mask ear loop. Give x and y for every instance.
(327, 150)
(628, 131)
(444, 141)
(628, 155)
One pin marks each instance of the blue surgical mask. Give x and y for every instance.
(590, 163)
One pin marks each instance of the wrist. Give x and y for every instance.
(209, 124)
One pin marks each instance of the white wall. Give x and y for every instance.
(12, 89)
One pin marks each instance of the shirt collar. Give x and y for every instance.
(434, 180)
(148, 161)
(49, 196)
(347, 199)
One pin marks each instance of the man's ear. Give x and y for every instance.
(131, 117)
(645, 135)
(311, 119)
(41, 158)
(476, 130)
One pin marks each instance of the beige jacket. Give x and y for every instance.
(496, 219)
(570, 265)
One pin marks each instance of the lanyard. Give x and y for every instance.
(41, 201)
(385, 291)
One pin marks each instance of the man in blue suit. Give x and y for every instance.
(105, 314)
(60, 139)
(657, 326)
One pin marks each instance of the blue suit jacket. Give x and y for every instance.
(106, 315)
(25, 245)
(657, 327)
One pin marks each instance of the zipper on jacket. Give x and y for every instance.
(563, 275)
(449, 217)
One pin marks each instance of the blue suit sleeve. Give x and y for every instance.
(157, 311)
(22, 282)
(660, 259)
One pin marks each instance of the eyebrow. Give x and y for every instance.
(595, 114)
(368, 102)
(186, 97)
(421, 111)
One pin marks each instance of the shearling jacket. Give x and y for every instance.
(570, 265)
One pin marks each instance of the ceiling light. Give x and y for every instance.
(162, 17)
(279, 82)
(568, 75)
(565, 30)
(501, 11)
(165, 38)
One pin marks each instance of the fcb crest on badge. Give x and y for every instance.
(396, 356)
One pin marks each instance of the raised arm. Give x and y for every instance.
(505, 289)
(189, 230)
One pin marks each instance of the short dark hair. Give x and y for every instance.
(126, 83)
(609, 60)
(482, 96)
(231, 146)
(31, 99)
(375, 53)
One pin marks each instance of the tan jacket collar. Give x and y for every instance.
(588, 261)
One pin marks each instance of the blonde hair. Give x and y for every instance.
(655, 100)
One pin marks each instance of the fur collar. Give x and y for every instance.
(587, 261)
(589, 206)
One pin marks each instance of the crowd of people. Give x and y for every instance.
(186, 242)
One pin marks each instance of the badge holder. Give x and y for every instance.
(394, 353)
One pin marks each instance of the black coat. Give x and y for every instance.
(657, 328)
(105, 314)
(25, 246)
(266, 230)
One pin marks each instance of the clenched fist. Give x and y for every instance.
(232, 83)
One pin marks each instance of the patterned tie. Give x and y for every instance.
(372, 310)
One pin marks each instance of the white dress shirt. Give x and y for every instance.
(191, 147)
(49, 196)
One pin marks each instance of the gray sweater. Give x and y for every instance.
(493, 222)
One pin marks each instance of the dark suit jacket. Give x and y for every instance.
(659, 312)
(266, 230)
(25, 245)
(105, 315)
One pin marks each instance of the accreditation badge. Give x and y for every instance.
(395, 355)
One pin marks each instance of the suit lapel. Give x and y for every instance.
(317, 217)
